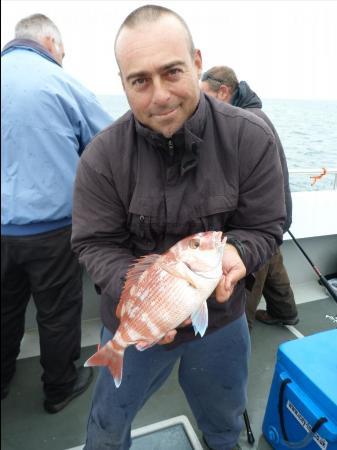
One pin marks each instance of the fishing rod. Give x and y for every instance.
(321, 277)
(250, 436)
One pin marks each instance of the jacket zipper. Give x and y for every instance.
(170, 147)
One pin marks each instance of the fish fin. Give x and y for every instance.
(139, 267)
(119, 310)
(179, 270)
(141, 347)
(200, 319)
(132, 276)
(111, 358)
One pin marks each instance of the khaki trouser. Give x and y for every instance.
(273, 283)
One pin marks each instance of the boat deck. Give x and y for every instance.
(25, 424)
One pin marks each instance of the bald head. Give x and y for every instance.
(146, 15)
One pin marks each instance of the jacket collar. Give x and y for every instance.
(245, 97)
(31, 45)
(189, 135)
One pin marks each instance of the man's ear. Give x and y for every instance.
(224, 93)
(48, 43)
(198, 62)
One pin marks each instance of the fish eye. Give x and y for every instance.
(194, 243)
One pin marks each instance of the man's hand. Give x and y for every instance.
(233, 271)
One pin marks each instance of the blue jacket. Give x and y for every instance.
(47, 120)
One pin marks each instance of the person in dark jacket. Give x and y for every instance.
(47, 120)
(272, 279)
(177, 164)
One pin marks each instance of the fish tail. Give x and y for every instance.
(111, 356)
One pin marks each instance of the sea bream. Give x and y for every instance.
(161, 292)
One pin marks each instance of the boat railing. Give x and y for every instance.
(316, 176)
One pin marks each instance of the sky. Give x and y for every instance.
(282, 48)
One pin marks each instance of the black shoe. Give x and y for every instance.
(263, 316)
(236, 447)
(85, 375)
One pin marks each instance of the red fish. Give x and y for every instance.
(161, 292)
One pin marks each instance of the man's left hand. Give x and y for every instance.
(233, 271)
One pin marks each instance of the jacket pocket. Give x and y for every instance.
(143, 223)
(215, 212)
(142, 237)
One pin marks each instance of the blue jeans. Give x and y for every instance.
(213, 373)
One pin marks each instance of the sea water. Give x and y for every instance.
(307, 129)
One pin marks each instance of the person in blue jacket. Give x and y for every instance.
(47, 120)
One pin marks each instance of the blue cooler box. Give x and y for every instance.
(302, 405)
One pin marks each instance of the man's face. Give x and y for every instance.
(159, 75)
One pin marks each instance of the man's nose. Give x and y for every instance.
(161, 93)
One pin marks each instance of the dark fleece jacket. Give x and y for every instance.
(245, 98)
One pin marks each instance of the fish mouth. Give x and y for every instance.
(188, 266)
(219, 239)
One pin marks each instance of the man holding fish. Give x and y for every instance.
(172, 212)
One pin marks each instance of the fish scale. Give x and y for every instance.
(165, 318)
